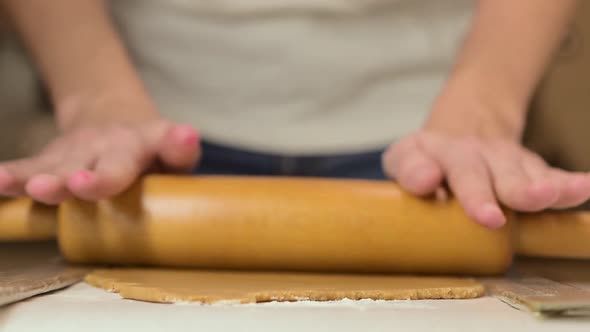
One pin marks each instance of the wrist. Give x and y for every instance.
(477, 110)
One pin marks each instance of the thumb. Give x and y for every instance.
(180, 150)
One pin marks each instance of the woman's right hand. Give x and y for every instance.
(94, 160)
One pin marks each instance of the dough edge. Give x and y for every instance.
(104, 279)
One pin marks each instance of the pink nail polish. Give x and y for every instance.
(83, 176)
(188, 135)
(190, 140)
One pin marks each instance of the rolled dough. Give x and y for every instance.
(210, 287)
(258, 223)
(23, 220)
(554, 234)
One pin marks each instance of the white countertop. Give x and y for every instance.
(84, 308)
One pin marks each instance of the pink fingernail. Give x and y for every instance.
(188, 135)
(82, 176)
(190, 140)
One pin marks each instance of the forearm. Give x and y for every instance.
(78, 53)
(503, 58)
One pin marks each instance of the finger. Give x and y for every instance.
(470, 181)
(114, 172)
(412, 168)
(6, 180)
(521, 185)
(47, 188)
(180, 150)
(51, 187)
(15, 174)
(574, 188)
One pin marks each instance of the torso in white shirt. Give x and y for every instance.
(295, 77)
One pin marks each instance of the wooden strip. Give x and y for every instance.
(540, 295)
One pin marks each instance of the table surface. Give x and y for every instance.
(85, 308)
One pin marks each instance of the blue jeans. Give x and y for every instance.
(223, 160)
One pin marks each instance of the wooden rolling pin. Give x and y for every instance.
(23, 220)
(292, 224)
(554, 234)
(281, 223)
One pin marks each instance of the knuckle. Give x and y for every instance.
(123, 134)
(397, 163)
(401, 147)
(45, 158)
(389, 154)
(85, 133)
(471, 144)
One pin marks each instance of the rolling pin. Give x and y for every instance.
(554, 234)
(23, 220)
(274, 223)
(291, 224)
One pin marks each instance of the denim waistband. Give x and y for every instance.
(225, 160)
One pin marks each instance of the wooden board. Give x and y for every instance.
(574, 272)
(545, 286)
(540, 295)
(29, 269)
